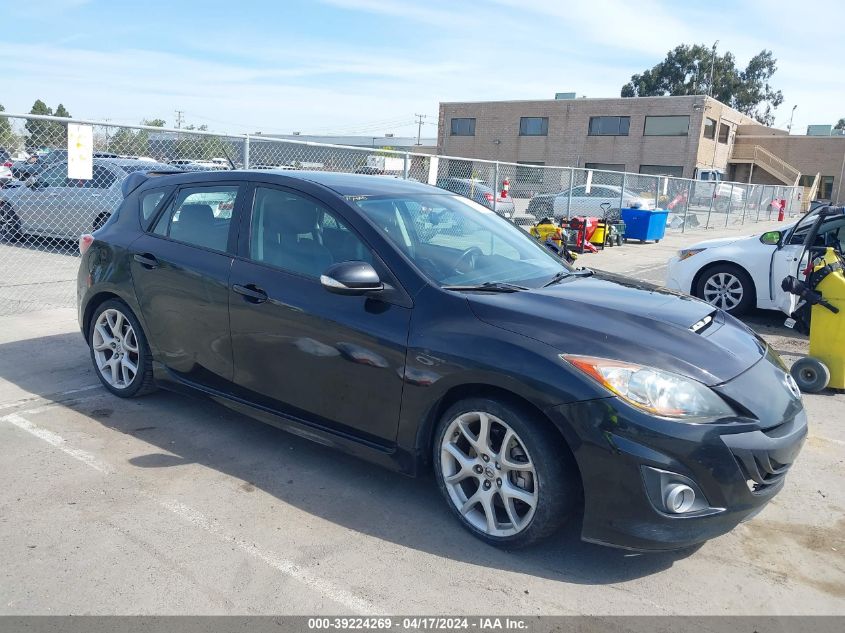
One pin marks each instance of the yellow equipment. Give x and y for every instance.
(827, 330)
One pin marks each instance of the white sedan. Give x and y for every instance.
(739, 273)
(587, 201)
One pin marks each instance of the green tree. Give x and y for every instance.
(840, 124)
(59, 129)
(686, 71)
(153, 122)
(40, 132)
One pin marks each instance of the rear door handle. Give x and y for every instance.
(146, 260)
(251, 293)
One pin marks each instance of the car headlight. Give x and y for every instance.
(658, 392)
(686, 253)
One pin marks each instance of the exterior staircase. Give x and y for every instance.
(757, 156)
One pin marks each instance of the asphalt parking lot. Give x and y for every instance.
(171, 504)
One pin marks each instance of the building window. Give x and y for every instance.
(724, 132)
(666, 126)
(825, 191)
(709, 128)
(609, 125)
(463, 127)
(663, 170)
(605, 166)
(534, 126)
(528, 173)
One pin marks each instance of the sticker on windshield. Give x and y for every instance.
(355, 198)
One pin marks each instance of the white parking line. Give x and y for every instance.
(325, 588)
(61, 394)
(58, 441)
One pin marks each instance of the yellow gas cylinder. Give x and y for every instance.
(827, 330)
(544, 230)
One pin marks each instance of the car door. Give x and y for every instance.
(325, 359)
(180, 270)
(790, 259)
(38, 203)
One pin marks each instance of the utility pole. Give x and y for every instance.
(419, 122)
(789, 127)
(179, 114)
(712, 66)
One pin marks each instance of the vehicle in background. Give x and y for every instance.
(190, 164)
(709, 184)
(5, 157)
(744, 272)
(268, 166)
(535, 392)
(50, 204)
(37, 163)
(5, 176)
(481, 193)
(586, 201)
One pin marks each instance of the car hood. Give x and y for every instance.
(616, 317)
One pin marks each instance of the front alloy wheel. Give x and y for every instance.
(723, 290)
(505, 471)
(488, 474)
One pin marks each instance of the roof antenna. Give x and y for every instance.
(229, 158)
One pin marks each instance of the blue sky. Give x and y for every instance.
(366, 66)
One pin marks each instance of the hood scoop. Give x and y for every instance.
(700, 326)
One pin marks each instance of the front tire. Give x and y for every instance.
(728, 287)
(505, 473)
(119, 350)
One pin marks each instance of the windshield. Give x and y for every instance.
(455, 241)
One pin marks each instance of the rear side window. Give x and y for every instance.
(150, 201)
(200, 216)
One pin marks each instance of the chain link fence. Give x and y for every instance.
(43, 211)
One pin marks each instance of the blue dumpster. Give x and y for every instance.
(644, 225)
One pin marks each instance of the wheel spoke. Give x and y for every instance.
(470, 503)
(130, 344)
(114, 366)
(509, 491)
(513, 517)
(465, 464)
(489, 512)
(484, 432)
(128, 369)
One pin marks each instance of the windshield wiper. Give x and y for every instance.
(489, 286)
(563, 274)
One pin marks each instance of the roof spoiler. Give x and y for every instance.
(137, 178)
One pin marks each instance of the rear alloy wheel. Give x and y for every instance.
(10, 225)
(727, 287)
(119, 351)
(508, 478)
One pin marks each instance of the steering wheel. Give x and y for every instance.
(468, 256)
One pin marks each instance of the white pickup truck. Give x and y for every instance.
(709, 184)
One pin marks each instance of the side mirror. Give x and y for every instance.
(351, 278)
(771, 238)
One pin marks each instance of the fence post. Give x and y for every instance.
(746, 195)
(246, 152)
(569, 196)
(656, 192)
(495, 184)
(730, 205)
(406, 166)
(710, 210)
(622, 193)
(686, 207)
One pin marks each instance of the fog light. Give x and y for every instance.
(679, 498)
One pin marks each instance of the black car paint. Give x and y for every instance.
(371, 375)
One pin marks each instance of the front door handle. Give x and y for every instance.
(146, 260)
(251, 293)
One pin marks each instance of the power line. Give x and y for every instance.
(419, 118)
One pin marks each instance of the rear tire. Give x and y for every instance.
(519, 471)
(811, 374)
(119, 350)
(10, 224)
(728, 287)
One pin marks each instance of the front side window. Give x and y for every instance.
(534, 126)
(463, 127)
(291, 232)
(609, 126)
(54, 177)
(666, 125)
(455, 241)
(200, 216)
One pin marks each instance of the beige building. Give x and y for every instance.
(675, 136)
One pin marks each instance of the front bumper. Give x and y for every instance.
(737, 466)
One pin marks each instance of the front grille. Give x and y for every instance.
(759, 468)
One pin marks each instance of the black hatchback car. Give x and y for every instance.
(349, 309)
